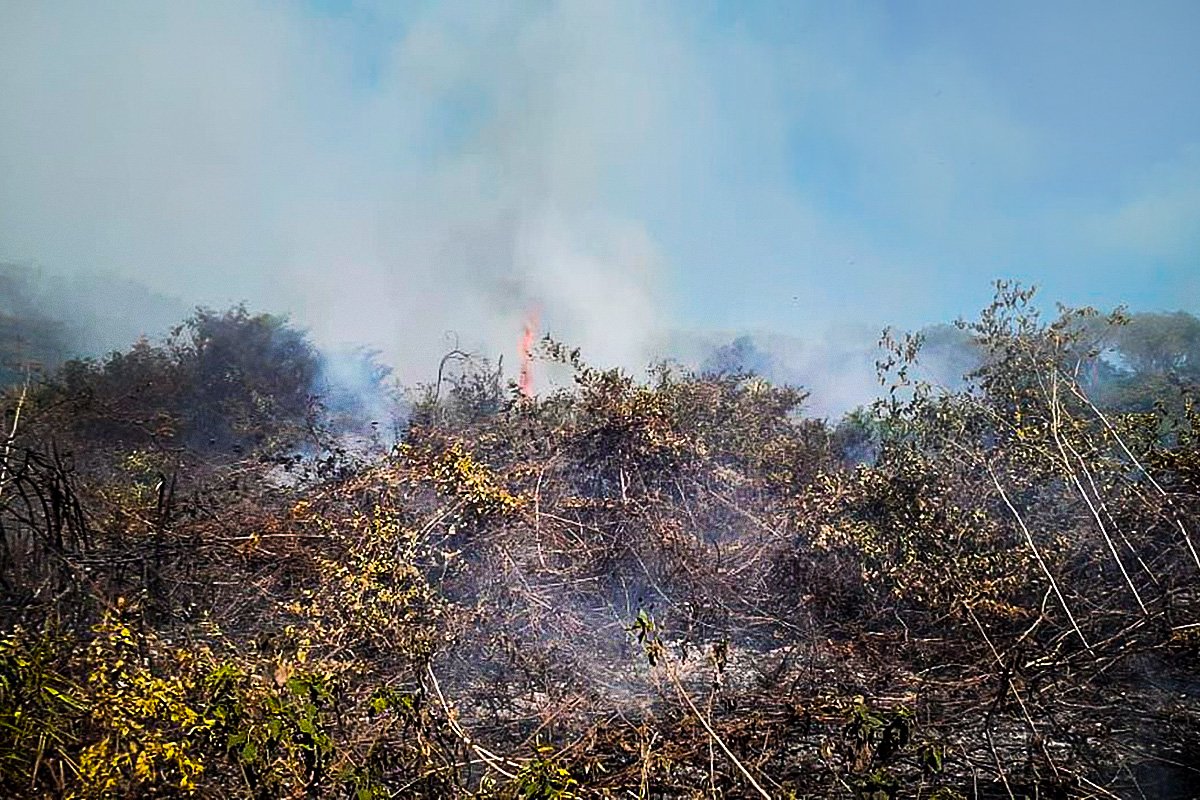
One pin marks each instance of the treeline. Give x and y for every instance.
(30, 339)
(1138, 357)
(47, 319)
(673, 586)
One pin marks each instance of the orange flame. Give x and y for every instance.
(525, 376)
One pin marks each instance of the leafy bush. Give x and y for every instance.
(226, 382)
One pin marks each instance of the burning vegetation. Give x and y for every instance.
(675, 587)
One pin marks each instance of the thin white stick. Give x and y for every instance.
(1038, 557)
(12, 434)
(491, 759)
(1063, 446)
(713, 734)
(1103, 418)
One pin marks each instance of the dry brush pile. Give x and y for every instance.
(677, 587)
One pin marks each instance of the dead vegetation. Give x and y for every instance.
(672, 588)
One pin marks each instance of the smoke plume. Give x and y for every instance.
(225, 152)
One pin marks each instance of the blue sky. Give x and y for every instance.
(925, 148)
(387, 172)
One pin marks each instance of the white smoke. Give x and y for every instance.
(230, 151)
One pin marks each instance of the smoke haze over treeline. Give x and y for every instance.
(229, 152)
(46, 320)
(385, 176)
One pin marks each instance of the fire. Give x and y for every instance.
(525, 376)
